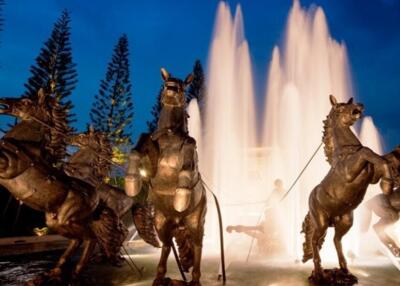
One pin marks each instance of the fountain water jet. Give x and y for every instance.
(308, 67)
(230, 119)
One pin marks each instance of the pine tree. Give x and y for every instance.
(155, 112)
(54, 70)
(112, 110)
(197, 87)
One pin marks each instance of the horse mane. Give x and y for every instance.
(105, 154)
(99, 150)
(327, 138)
(55, 117)
(58, 118)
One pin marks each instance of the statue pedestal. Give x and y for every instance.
(333, 277)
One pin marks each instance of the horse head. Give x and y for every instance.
(95, 140)
(337, 132)
(173, 93)
(173, 116)
(42, 119)
(345, 114)
(25, 108)
(94, 150)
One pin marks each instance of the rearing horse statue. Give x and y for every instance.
(73, 208)
(331, 203)
(92, 163)
(166, 161)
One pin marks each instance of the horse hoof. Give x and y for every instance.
(51, 277)
(54, 273)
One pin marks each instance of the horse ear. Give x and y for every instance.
(333, 100)
(350, 101)
(164, 74)
(188, 79)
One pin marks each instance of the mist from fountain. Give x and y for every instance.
(308, 67)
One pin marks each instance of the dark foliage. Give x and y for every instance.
(112, 110)
(197, 88)
(155, 112)
(54, 70)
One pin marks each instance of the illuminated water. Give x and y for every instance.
(303, 71)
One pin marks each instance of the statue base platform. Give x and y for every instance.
(333, 277)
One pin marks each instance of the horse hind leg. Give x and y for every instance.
(88, 247)
(57, 271)
(320, 223)
(164, 233)
(342, 226)
(72, 247)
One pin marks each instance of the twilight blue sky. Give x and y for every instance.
(174, 34)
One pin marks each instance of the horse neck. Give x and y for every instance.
(343, 136)
(26, 131)
(83, 155)
(28, 135)
(172, 118)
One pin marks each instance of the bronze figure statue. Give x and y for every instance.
(267, 232)
(331, 203)
(29, 155)
(386, 207)
(165, 163)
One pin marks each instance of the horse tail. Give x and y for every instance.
(109, 231)
(143, 218)
(366, 215)
(308, 230)
(185, 247)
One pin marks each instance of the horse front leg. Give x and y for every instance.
(84, 259)
(358, 162)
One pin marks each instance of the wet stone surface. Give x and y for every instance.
(16, 271)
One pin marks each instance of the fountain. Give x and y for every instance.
(303, 72)
(308, 67)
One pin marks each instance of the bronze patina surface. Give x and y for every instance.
(166, 162)
(332, 202)
(30, 156)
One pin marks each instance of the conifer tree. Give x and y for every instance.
(112, 110)
(197, 87)
(155, 112)
(54, 70)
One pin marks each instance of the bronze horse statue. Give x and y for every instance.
(29, 153)
(166, 162)
(332, 202)
(92, 164)
(386, 207)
